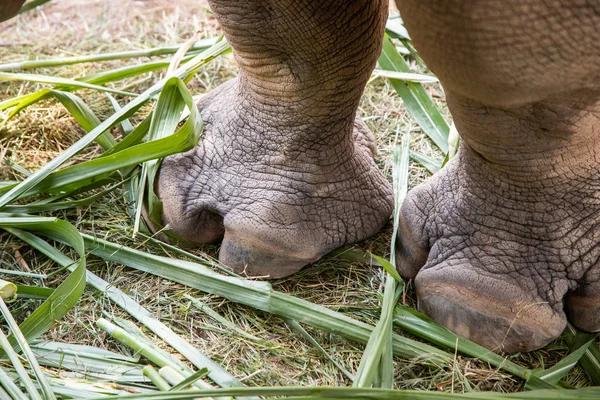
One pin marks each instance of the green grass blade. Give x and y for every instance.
(34, 292)
(217, 373)
(20, 339)
(84, 174)
(259, 295)
(417, 102)
(590, 361)
(30, 5)
(430, 163)
(174, 98)
(394, 27)
(200, 45)
(563, 367)
(56, 81)
(36, 208)
(67, 294)
(124, 113)
(88, 359)
(84, 116)
(10, 386)
(189, 380)
(376, 363)
(300, 329)
(324, 392)
(16, 362)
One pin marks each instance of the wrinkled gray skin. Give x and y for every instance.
(501, 243)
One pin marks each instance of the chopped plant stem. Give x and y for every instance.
(156, 379)
(258, 295)
(22, 341)
(201, 45)
(217, 373)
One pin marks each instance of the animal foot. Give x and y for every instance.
(500, 262)
(279, 191)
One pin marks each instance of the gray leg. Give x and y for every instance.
(498, 239)
(285, 172)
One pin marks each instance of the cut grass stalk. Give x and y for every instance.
(151, 373)
(199, 45)
(127, 111)
(18, 367)
(8, 290)
(141, 347)
(323, 392)
(29, 356)
(259, 295)
(217, 373)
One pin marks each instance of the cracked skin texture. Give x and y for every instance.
(284, 173)
(502, 244)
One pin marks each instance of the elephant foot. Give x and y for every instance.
(279, 193)
(493, 257)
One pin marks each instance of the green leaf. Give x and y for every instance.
(67, 294)
(200, 45)
(217, 373)
(84, 116)
(554, 374)
(416, 99)
(62, 82)
(259, 295)
(430, 163)
(174, 98)
(590, 361)
(126, 112)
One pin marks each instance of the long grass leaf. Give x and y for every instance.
(217, 373)
(114, 119)
(324, 392)
(56, 81)
(199, 45)
(67, 294)
(84, 116)
(416, 99)
(259, 295)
